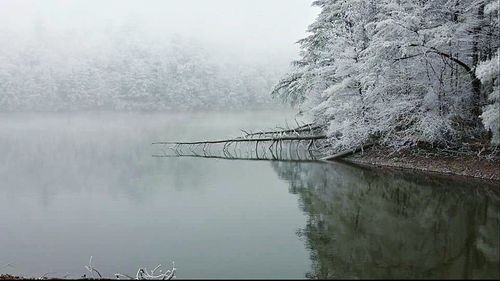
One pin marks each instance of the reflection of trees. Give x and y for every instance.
(365, 223)
(50, 155)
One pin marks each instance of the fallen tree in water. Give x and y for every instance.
(308, 142)
(305, 142)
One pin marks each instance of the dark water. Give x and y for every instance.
(75, 186)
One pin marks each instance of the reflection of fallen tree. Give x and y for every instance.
(229, 158)
(306, 142)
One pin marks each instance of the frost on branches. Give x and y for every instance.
(488, 72)
(125, 69)
(400, 72)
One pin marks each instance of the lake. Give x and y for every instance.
(85, 184)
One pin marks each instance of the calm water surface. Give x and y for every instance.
(79, 185)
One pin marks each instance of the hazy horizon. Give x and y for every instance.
(229, 25)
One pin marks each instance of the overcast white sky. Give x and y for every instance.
(271, 26)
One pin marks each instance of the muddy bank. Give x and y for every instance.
(484, 166)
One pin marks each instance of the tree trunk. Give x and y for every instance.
(478, 97)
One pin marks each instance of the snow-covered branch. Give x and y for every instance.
(398, 73)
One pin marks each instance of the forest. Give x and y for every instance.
(397, 73)
(126, 68)
(249, 139)
(400, 72)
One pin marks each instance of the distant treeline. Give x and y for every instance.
(125, 70)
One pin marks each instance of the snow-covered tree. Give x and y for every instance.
(488, 72)
(125, 69)
(398, 72)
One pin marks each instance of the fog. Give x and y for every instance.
(124, 125)
(80, 185)
(146, 55)
(242, 26)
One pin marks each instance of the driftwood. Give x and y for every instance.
(300, 143)
(264, 145)
(276, 139)
(232, 158)
(311, 127)
(266, 148)
(142, 273)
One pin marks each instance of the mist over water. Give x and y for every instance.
(146, 56)
(87, 86)
(85, 184)
(79, 185)
(243, 27)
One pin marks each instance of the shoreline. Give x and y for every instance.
(486, 167)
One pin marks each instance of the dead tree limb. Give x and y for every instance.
(273, 139)
(307, 127)
(228, 158)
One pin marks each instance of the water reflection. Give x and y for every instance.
(73, 186)
(81, 185)
(363, 223)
